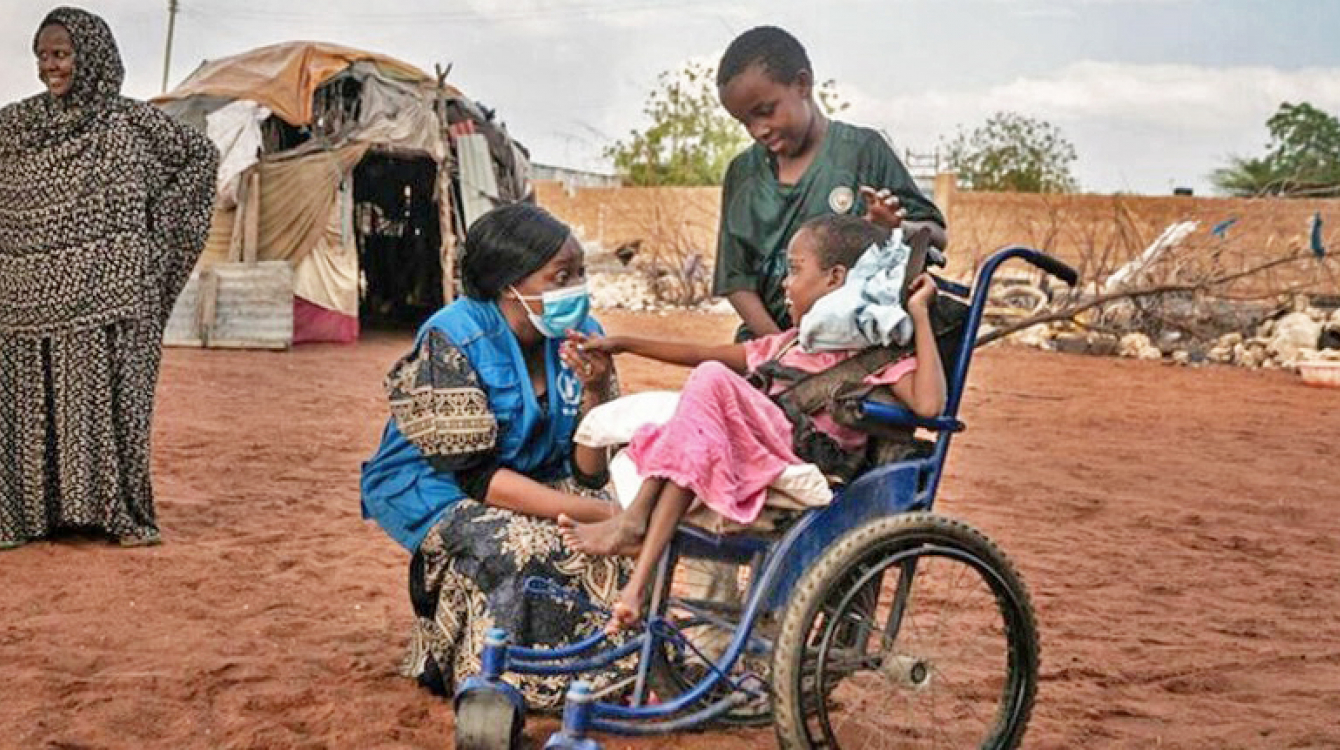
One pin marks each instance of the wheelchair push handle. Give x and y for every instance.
(1053, 266)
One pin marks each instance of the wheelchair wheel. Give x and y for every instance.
(487, 720)
(911, 631)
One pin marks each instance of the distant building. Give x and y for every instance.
(923, 166)
(573, 178)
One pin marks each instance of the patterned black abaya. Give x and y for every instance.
(104, 207)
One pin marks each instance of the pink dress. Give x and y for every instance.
(727, 441)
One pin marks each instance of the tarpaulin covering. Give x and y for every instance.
(328, 276)
(296, 199)
(284, 76)
(236, 130)
(395, 114)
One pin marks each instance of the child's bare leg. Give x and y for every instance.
(619, 535)
(670, 508)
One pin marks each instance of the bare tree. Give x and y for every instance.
(1197, 286)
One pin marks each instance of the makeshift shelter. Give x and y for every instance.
(346, 179)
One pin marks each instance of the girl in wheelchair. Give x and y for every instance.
(731, 437)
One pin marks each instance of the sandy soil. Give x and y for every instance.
(1178, 529)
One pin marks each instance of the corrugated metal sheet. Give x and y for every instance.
(235, 306)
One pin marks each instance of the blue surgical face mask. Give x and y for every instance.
(564, 309)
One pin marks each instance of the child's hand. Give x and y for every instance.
(883, 207)
(591, 366)
(921, 294)
(583, 342)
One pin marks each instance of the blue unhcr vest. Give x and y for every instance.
(406, 495)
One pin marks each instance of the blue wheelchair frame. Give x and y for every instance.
(885, 490)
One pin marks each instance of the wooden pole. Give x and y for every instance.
(167, 52)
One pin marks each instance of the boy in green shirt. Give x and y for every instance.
(801, 165)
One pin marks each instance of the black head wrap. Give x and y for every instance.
(506, 245)
(98, 72)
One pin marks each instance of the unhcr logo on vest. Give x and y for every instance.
(569, 391)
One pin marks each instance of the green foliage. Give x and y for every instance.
(1013, 153)
(691, 139)
(1302, 158)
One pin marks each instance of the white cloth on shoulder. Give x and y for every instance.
(613, 424)
(867, 310)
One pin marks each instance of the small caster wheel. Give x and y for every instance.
(488, 720)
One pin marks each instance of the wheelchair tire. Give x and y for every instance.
(854, 634)
(486, 720)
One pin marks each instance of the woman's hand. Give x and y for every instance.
(883, 207)
(920, 294)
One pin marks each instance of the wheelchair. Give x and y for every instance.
(870, 622)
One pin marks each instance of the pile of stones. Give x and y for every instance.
(1305, 335)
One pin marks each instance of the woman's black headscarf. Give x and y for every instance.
(98, 72)
(506, 245)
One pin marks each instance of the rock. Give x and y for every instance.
(1229, 340)
(1181, 357)
(1221, 354)
(628, 291)
(1264, 330)
(1137, 345)
(1292, 333)
(1248, 356)
(1103, 344)
(1039, 337)
(1168, 340)
(1071, 343)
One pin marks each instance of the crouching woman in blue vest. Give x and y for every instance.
(477, 459)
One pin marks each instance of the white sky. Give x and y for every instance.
(1153, 93)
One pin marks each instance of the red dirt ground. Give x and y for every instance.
(1178, 529)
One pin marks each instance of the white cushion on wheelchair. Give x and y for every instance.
(614, 422)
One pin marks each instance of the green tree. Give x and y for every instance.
(1302, 158)
(1014, 153)
(692, 138)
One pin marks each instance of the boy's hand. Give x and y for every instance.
(883, 207)
(921, 294)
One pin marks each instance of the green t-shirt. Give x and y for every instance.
(759, 215)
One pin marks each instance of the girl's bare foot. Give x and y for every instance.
(616, 536)
(624, 615)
